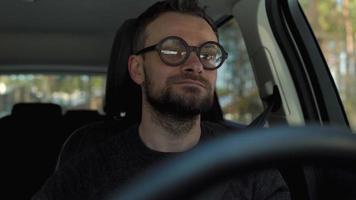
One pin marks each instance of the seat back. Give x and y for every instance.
(74, 119)
(121, 95)
(32, 135)
(121, 92)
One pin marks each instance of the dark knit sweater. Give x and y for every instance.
(94, 174)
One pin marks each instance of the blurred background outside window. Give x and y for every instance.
(71, 91)
(334, 25)
(236, 85)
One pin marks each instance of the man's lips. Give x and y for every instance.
(191, 82)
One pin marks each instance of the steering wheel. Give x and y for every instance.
(241, 152)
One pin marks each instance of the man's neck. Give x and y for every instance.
(167, 133)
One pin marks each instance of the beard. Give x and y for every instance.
(179, 106)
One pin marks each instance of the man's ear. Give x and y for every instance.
(135, 68)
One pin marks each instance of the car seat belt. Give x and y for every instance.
(273, 104)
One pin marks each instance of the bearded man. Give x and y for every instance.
(175, 61)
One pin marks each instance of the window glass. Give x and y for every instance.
(334, 24)
(71, 91)
(236, 85)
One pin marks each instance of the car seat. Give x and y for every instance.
(32, 137)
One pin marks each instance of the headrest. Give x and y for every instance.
(36, 110)
(123, 96)
(121, 92)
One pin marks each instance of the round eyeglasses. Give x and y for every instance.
(175, 51)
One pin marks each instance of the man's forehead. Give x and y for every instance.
(194, 29)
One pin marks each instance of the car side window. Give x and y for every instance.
(236, 85)
(336, 34)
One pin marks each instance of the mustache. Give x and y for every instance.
(177, 78)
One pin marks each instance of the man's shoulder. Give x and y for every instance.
(90, 137)
(116, 142)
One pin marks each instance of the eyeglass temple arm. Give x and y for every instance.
(147, 49)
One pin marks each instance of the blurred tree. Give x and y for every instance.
(236, 83)
(334, 25)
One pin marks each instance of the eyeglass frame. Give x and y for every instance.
(157, 47)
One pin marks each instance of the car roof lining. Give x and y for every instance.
(70, 32)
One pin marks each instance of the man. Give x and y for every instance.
(176, 56)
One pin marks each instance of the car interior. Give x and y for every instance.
(39, 36)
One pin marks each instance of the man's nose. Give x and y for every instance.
(193, 64)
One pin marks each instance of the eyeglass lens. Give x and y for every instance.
(174, 51)
(210, 55)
